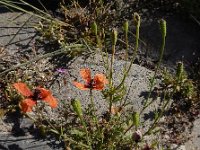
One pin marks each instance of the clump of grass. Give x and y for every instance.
(184, 106)
(180, 85)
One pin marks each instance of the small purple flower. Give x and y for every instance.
(62, 71)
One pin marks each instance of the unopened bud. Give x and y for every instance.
(114, 36)
(126, 26)
(137, 136)
(136, 119)
(136, 19)
(163, 27)
(179, 71)
(76, 104)
(94, 28)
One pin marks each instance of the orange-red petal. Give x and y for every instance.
(86, 75)
(53, 103)
(80, 85)
(46, 95)
(27, 105)
(23, 89)
(99, 81)
(43, 93)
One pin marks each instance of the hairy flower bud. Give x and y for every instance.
(137, 136)
(136, 19)
(126, 27)
(114, 36)
(163, 27)
(94, 28)
(136, 119)
(76, 104)
(179, 71)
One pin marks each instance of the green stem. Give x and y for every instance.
(163, 31)
(111, 77)
(147, 103)
(86, 131)
(151, 85)
(93, 112)
(65, 138)
(92, 100)
(133, 58)
(93, 108)
(159, 116)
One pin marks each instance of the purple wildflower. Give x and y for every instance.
(61, 70)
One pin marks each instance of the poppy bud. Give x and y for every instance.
(42, 130)
(114, 36)
(94, 28)
(136, 19)
(126, 27)
(137, 136)
(163, 28)
(76, 104)
(136, 119)
(179, 71)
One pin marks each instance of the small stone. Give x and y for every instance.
(177, 147)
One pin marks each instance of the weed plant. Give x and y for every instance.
(82, 128)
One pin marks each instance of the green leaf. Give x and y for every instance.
(77, 132)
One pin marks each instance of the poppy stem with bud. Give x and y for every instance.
(163, 29)
(76, 104)
(136, 21)
(126, 26)
(94, 29)
(114, 42)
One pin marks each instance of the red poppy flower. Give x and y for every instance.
(32, 97)
(97, 83)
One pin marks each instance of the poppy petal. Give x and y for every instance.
(43, 93)
(27, 105)
(51, 101)
(99, 81)
(80, 85)
(23, 89)
(86, 75)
